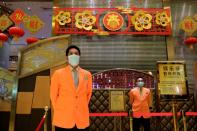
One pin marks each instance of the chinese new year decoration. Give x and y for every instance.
(16, 32)
(113, 21)
(63, 18)
(31, 40)
(188, 25)
(33, 23)
(162, 19)
(3, 38)
(5, 22)
(85, 20)
(190, 41)
(107, 21)
(141, 20)
(17, 16)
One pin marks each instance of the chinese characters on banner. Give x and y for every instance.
(171, 78)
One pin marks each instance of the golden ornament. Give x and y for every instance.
(162, 19)
(63, 18)
(141, 21)
(85, 20)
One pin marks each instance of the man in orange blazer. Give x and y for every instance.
(140, 99)
(70, 92)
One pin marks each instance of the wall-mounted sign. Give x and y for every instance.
(172, 83)
(117, 101)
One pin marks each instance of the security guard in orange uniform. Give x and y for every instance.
(70, 92)
(140, 99)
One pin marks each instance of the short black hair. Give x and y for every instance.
(71, 47)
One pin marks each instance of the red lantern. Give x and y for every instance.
(16, 32)
(190, 42)
(31, 40)
(3, 38)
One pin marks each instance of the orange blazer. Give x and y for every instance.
(140, 103)
(70, 104)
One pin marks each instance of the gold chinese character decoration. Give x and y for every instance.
(63, 18)
(113, 21)
(17, 16)
(162, 19)
(141, 20)
(85, 20)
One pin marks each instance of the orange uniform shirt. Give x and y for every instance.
(140, 103)
(70, 104)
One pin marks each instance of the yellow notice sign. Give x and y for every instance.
(172, 88)
(171, 72)
(117, 102)
(171, 78)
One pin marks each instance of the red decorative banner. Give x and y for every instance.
(106, 21)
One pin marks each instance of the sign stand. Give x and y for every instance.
(114, 123)
(184, 120)
(130, 120)
(172, 85)
(174, 110)
(117, 103)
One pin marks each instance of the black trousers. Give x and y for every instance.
(70, 129)
(137, 122)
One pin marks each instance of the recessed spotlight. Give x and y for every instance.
(29, 8)
(150, 73)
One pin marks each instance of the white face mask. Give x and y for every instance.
(140, 84)
(73, 60)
